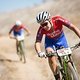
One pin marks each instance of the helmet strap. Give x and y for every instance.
(51, 25)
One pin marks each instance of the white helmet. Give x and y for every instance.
(18, 23)
(42, 16)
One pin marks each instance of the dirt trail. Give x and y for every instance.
(34, 69)
(12, 69)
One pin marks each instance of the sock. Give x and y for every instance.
(57, 77)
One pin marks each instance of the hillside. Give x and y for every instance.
(35, 68)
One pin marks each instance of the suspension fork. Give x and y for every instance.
(61, 67)
(71, 61)
(60, 61)
(64, 63)
(17, 46)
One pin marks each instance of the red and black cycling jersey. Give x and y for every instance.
(57, 24)
(17, 28)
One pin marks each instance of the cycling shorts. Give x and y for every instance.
(56, 43)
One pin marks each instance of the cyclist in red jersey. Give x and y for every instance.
(52, 28)
(18, 33)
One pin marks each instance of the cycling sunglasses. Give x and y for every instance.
(44, 24)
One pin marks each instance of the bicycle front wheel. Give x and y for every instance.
(22, 50)
(72, 73)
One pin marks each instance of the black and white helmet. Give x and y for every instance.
(42, 16)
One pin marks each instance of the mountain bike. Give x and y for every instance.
(67, 68)
(21, 51)
(20, 47)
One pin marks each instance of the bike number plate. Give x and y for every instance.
(64, 52)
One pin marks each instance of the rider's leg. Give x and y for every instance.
(17, 49)
(22, 47)
(53, 63)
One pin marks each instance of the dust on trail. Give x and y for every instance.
(12, 69)
(34, 69)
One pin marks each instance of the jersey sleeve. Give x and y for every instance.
(11, 29)
(22, 26)
(64, 21)
(39, 35)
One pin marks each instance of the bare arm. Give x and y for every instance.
(75, 29)
(28, 32)
(38, 50)
(38, 41)
(10, 35)
(70, 25)
(38, 47)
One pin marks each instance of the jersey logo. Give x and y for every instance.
(54, 34)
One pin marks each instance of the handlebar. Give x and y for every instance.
(75, 46)
(72, 48)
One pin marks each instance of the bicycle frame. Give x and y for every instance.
(21, 52)
(66, 62)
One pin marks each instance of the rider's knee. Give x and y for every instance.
(53, 61)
